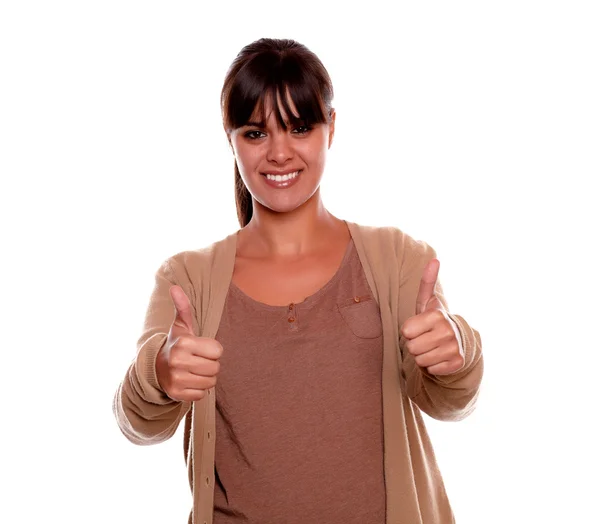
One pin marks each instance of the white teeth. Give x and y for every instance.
(284, 178)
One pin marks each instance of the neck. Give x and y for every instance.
(299, 232)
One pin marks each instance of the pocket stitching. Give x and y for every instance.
(345, 306)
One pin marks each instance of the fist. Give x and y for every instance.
(187, 365)
(432, 337)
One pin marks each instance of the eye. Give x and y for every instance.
(253, 135)
(302, 130)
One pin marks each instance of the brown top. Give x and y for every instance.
(393, 264)
(299, 433)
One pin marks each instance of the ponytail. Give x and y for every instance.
(243, 199)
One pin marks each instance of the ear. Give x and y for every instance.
(228, 135)
(331, 127)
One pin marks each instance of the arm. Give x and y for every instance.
(144, 413)
(443, 397)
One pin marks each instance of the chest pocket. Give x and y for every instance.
(362, 316)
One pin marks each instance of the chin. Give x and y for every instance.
(280, 208)
(288, 206)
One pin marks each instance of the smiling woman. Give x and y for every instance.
(281, 154)
(276, 102)
(302, 349)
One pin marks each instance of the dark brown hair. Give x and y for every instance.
(267, 69)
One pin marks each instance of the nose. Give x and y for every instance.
(280, 149)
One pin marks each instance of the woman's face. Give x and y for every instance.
(282, 168)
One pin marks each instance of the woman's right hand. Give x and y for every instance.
(187, 365)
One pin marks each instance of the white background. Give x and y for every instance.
(474, 126)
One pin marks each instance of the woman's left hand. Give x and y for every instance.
(432, 337)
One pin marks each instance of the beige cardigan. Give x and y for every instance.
(393, 264)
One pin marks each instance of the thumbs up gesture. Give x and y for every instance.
(187, 365)
(432, 337)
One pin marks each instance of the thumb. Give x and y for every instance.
(183, 310)
(427, 287)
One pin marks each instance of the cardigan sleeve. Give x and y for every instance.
(144, 413)
(443, 397)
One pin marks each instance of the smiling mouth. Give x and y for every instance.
(282, 178)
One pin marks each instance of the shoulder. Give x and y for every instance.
(379, 239)
(201, 260)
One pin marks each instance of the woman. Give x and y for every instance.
(302, 348)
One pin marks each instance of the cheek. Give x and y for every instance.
(246, 158)
(316, 154)
(314, 150)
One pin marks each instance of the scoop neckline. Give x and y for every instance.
(308, 300)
